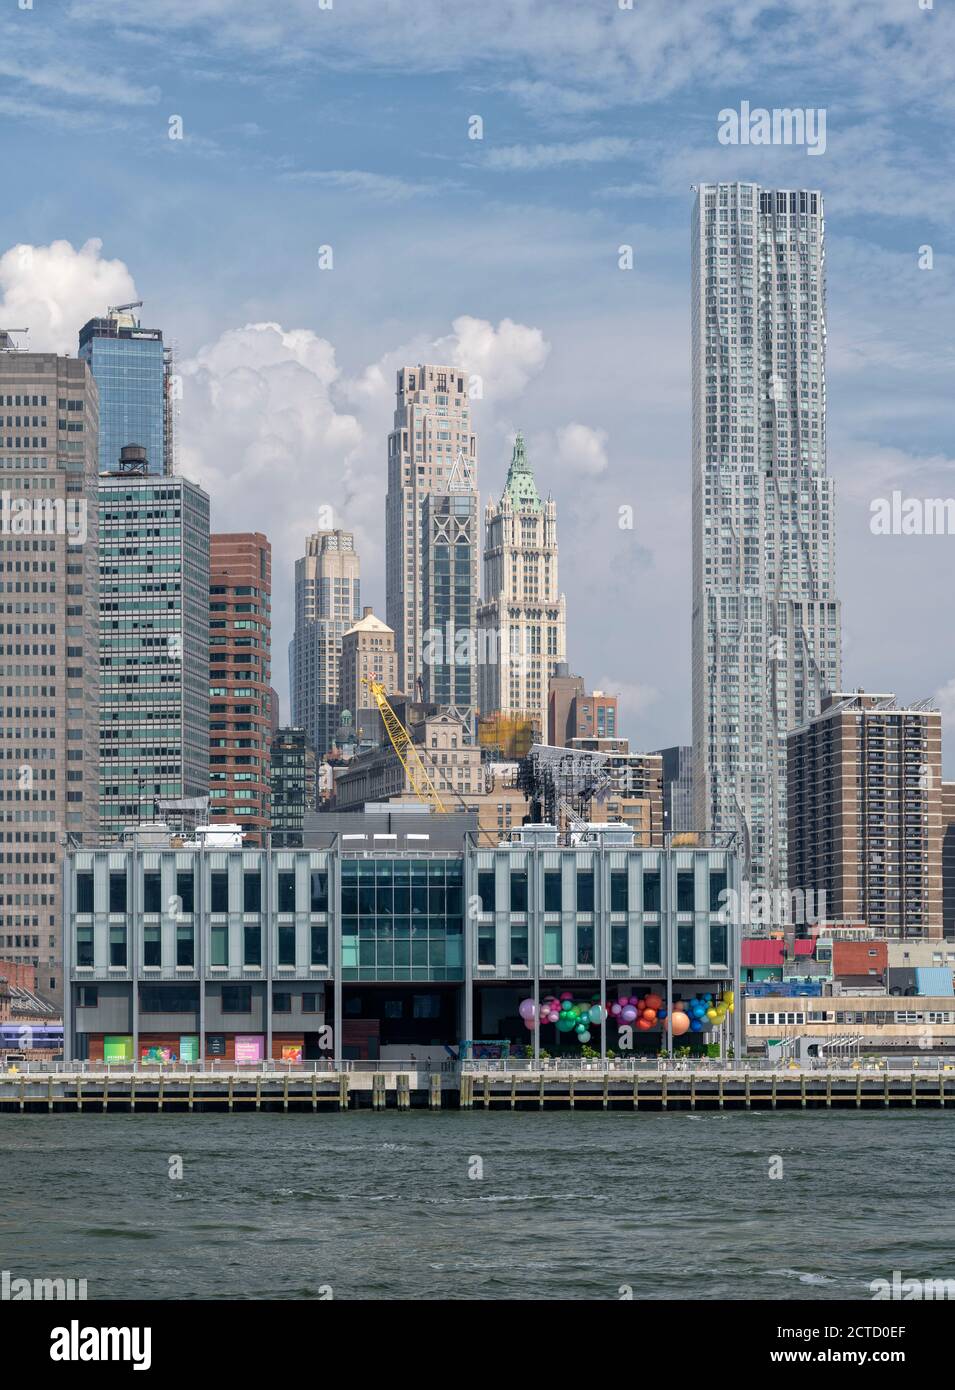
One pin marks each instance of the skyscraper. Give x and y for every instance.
(48, 643)
(154, 642)
(449, 594)
(524, 614)
(432, 443)
(766, 621)
(240, 656)
(327, 603)
(132, 367)
(866, 804)
(368, 653)
(677, 788)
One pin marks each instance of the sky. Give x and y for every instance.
(328, 216)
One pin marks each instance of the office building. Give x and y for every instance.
(327, 604)
(766, 620)
(294, 786)
(865, 813)
(240, 657)
(449, 594)
(133, 369)
(368, 654)
(368, 928)
(432, 448)
(48, 644)
(574, 712)
(154, 642)
(523, 619)
(677, 788)
(948, 860)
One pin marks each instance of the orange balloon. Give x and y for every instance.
(650, 1015)
(680, 1023)
(653, 1001)
(644, 1023)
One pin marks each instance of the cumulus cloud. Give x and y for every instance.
(53, 290)
(581, 449)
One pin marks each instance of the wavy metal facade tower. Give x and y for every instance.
(766, 621)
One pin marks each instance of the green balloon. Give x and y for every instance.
(565, 1023)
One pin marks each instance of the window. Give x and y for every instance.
(185, 889)
(553, 896)
(651, 944)
(286, 944)
(585, 945)
(252, 945)
(286, 901)
(84, 892)
(152, 951)
(252, 891)
(487, 952)
(686, 945)
(553, 949)
(117, 943)
(84, 945)
(619, 944)
(219, 899)
(219, 954)
(519, 947)
(518, 890)
(717, 888)
(236, 999)
(651, 892)
(585, 890)
(685, 892)
(318, 897)
(310, 1002)
(718, 943)
(619, 891)
(185, 944)
(486, 890)
(117, 891)
(281, 1003)
(152, 891)
(87, 996)
(319, 945)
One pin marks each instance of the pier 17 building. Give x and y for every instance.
(390, 934)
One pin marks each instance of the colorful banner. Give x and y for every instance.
(156, 1052)
(117, 1049)
(249, 1047)
(291, 1052)
(189, 1047)
(215, 1045)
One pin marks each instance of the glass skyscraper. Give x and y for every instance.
(154, 645)
(766, 621)
(130, 365)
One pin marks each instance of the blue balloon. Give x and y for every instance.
(661, 1013)
(696, 1026)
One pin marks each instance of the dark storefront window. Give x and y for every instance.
(487, 954)
(553, 896)
(518, 890)
(219, 898)
(185, 944)
(651, 891)
(219, 954)
(252, 945)
(619, 944)
(585, 890)
(619, 891)
(236, 999)
(152, 891)
(84, 891)
(152, 948)
(685, 891)
(318, 899)
(186, 890)
(651, 944)
(319, 945)
(686, 945)
(486, 889)
(717, 887)
(84, 945)
(585, 945)
(519, 951)
(117, 890)
(252, 891)
(718, 943)
(286, 945)
(286, 902)
(117, 945)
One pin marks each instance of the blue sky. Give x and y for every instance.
(348, 127)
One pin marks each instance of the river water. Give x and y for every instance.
(463, 1205)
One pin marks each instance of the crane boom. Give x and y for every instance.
(406, 752)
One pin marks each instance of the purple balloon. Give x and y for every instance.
(526, 1009)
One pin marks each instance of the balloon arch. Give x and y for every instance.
(642, 1012)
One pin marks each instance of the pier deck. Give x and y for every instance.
(95, 1092)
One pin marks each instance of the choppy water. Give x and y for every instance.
(570, 1205)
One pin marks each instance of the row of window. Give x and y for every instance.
(248, 899)
(185, 946)
(584, 896)
(553, 945)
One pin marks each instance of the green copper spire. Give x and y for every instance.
(520, 486)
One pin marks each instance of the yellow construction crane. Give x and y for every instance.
(407, 753)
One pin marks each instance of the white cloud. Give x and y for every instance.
(581, 449)
(602, 149)
(53, 290)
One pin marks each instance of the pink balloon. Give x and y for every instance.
(615, 1009)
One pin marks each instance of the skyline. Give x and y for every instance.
(514, 239)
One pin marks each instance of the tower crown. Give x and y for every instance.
(520, 488)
